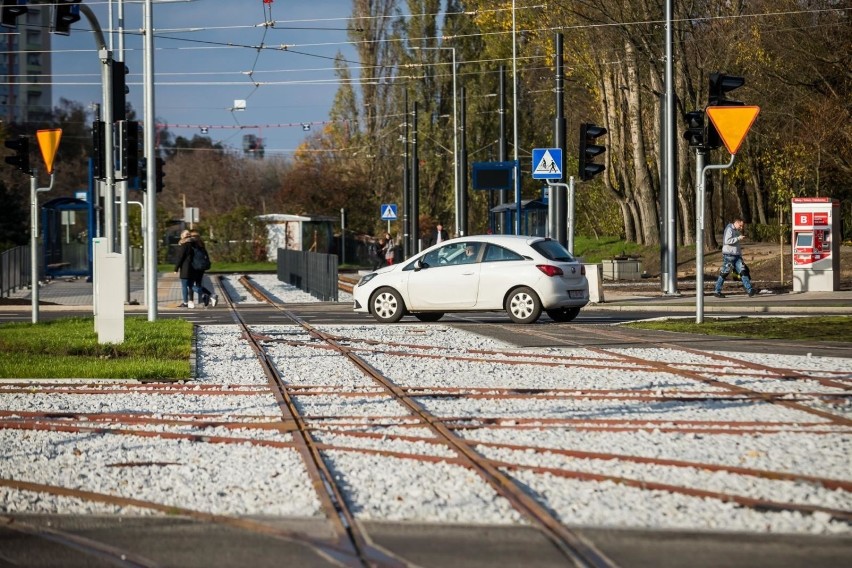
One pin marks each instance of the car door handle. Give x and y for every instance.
(468, 273)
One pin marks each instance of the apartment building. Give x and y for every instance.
(25, 63)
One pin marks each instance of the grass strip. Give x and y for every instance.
(821, 328)
(69, 347)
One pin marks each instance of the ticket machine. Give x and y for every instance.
(816, 244)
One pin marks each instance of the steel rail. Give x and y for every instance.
(581, 552)
(104, 552)
(693, 375)
(354, 542)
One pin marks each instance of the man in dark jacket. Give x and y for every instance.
(438, 235)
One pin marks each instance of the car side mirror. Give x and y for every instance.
(418, 264)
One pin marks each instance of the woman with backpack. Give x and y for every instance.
(183, 267)
(200, 264)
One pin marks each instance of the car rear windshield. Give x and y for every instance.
(552, 250)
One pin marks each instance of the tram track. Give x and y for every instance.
(458, 434)
(343, 344)
(576, 549)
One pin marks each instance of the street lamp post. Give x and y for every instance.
(455, 142)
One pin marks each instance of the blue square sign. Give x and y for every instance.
(388, 211)
(547, 163)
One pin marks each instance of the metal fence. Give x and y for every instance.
(15, 270)
(312, 272)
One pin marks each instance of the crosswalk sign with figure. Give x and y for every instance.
(547, 163)
(388, 211)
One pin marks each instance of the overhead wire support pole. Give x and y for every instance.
(669, 141)
(151, 193)
(515, 121)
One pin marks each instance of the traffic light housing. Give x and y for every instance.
(119, 90)
(99, 149)
(11, 9)
(694, 133)
(143, 174)
(128, 146)
(21, 159)
(159, 173)
(65, 13)
(718, 88)
(587, 168)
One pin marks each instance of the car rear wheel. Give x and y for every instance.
(429, 316)
(563, 314)
(386, 306)
(523, 305)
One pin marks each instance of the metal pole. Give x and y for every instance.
(671, 238)
(699, 252)
(462, 167)
(556, 204)
(151, 193)
(406, 188)
(571, 214)
(34, 191)
(700, 159)
(456, 150)
(342, 236)
(109, 145)
(34, 245)
(415, 185)
(515, 121)
(124, 209)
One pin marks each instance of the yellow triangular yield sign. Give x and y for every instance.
(732, 123)
(48, 141)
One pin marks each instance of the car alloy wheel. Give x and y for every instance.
(523, 305)
(387, 306)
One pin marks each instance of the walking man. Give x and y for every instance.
(732, 258)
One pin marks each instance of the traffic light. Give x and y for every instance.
(719, 85)
(98, 149)
(119, 90)
(65, 13)
(128, 148)
(694, 128)
(159, 173)
(11, 10)
(588, 169)
(21, 159)
(143, 174)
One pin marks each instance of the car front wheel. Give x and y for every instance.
(523, 305)
(386, 306)
(563, 314)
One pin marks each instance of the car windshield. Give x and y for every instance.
(552, 250)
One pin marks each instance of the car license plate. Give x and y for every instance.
(575, 294)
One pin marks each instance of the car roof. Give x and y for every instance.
(497, 239)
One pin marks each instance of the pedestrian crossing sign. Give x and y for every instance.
(388, 211)
(547, 163)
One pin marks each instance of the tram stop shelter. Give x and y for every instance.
(66, 224)
(533, 218)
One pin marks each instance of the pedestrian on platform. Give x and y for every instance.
(183, 267)
(200, 264)
(732, 258)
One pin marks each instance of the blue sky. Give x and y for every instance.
(199, 77)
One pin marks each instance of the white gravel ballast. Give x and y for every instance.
(216, 450)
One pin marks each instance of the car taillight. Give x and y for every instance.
(550, 270)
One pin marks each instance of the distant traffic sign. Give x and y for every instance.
(48, 141)
(388, 211)
(732, 123)
(547, 163)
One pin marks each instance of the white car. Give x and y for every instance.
(521, 275)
